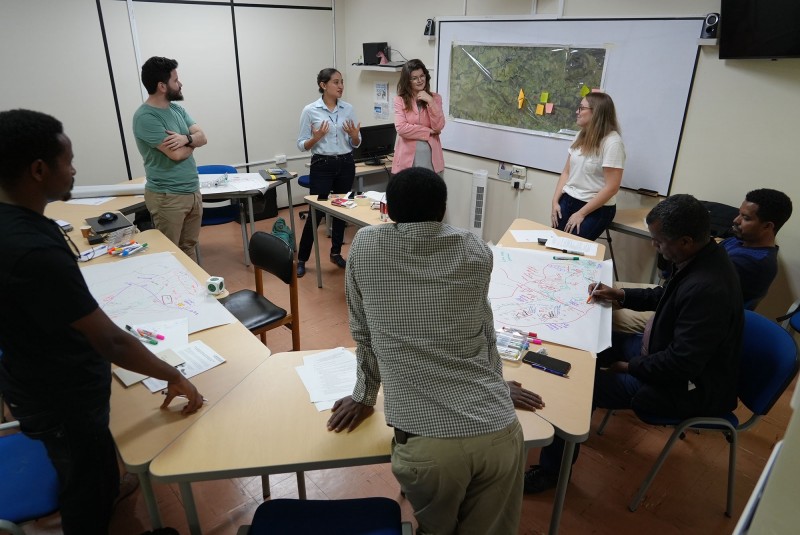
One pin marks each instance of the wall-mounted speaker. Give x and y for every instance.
(710, 26)
(430, 28)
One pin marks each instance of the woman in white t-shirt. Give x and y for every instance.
(584, 202)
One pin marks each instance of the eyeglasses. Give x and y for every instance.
(418, 78)
(581, 108)
(76, 252)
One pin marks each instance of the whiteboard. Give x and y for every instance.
(650, 65)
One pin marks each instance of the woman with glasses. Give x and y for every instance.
(419, 120)
(584, 202)
(330, 130)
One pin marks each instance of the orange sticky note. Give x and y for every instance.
(548, 108)
(544, 96)
(585, 90)
(540, 109)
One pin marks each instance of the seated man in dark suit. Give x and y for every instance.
(752, 250)
(686, 362)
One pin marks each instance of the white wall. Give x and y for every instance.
(739, 133)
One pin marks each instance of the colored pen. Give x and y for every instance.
(548, 370)
(566, 258)
(572, 252)
(143, 334)
(150, 334)
(591, 294)
(129, 252)
(164, 393)
(141, 339)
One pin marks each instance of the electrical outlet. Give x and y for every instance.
(280, 158)
(519, 172)
(528, 185)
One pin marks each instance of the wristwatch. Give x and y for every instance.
(189, 137)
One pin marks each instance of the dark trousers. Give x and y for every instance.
(593, 224)
(82, 451)
(611, 391)
(328, 174)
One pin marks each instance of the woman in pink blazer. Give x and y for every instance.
(419, 120)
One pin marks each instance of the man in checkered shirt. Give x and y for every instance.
(417, 294)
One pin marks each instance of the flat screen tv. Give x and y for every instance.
(376, 142)
(766, 29)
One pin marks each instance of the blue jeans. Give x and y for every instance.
(82, 451)
(328, 174)
(611, 391)
(593, 225)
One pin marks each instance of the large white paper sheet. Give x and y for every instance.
(153, 287)
(532, 292)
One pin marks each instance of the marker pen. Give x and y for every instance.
(141, 339)
(566, 258)
(151, 334)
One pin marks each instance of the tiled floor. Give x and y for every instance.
(688, 496)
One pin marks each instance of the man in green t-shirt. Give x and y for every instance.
(166, 137)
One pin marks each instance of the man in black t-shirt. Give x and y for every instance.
(57, 344)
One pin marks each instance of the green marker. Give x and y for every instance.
(566, 258)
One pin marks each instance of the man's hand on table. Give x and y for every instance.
(524, 399)
(348, 414)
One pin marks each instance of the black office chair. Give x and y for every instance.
(362, 516)
(271, 254)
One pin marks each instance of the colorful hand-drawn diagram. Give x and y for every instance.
(151, 288)
(532, 292)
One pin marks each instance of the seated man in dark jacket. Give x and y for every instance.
(686, 362)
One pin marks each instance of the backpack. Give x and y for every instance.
(281, 230)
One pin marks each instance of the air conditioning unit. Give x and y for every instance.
(478, 202)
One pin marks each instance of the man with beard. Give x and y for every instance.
(57, 344)
(752, 249)
(166, 137)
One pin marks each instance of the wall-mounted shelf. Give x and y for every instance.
(378, 68)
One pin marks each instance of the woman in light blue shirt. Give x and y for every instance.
(329, 129)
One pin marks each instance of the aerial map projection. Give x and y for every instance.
(532, 291)
(534, 88)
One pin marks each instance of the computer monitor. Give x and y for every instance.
(376, 142)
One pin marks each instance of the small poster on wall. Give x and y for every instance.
(382, 92)
(381, 110)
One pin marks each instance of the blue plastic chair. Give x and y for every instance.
(223, 211)
(305, 182)
(363, 516)
(28, 481)
(768, 364)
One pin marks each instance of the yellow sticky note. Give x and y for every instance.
(544, 97)
(540, 109)
(548, 108)
(585, 91)
(520, 99)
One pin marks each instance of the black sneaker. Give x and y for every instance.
(301, 269)
(338, 260)
(537, 480)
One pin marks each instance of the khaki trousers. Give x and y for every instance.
(178, 217)
(467, 485)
